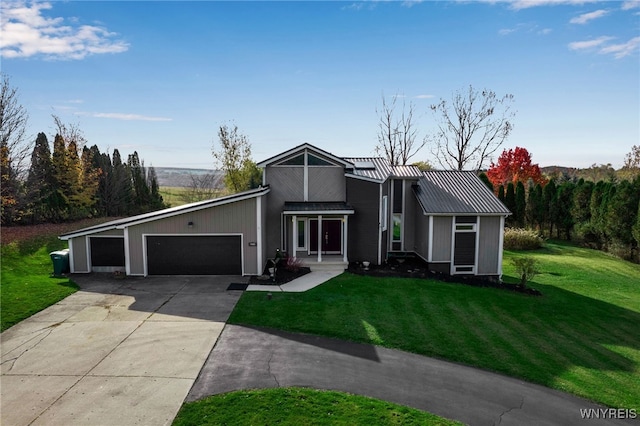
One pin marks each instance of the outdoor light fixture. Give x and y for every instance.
(190, 224)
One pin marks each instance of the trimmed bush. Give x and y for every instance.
(522, 239)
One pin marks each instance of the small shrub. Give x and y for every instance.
(293, 264)
(526, 268)
(522, 239)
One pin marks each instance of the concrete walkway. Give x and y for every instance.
(304, 283)
(246, 358)
(119, 352)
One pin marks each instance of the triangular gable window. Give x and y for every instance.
(294, 161)
(317, 161)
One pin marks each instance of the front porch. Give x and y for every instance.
(328, 262)
(317, 233)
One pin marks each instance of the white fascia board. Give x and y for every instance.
(87, 232)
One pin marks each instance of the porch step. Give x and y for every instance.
(330, 265)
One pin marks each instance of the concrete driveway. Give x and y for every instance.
(118, 352)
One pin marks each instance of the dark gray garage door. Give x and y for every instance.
(194, 255)
(107, 251)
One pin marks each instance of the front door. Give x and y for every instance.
(331, 236)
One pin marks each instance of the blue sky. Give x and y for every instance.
(160, 77)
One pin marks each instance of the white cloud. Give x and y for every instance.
(26, 32)
(589, 44)
(506, 31)
(425, 96)
(586, 17)
(127, 117)
(603, 47)
(631, 4)
(526, 4)
(623, 49)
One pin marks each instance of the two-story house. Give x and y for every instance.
(314, 206)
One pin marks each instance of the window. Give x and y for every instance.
(397, 227)
(470, 227)
(302, 235)
(312, 160)
(293, 161)
(385, 212)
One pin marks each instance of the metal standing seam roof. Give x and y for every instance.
(456, 192)
(382, 169)
(159, 214)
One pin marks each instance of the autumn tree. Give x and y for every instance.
(515, 165)
(471, 128)
(234, 158)
(397, 132)
(13, 150)
(631, 167)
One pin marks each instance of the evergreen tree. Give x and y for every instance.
(41, 200)
(121, 188)
(549, 205)
(155, 198)
(510, 203)
(141, 192)
(636, 228)
(60, 200)
(620, 215)
(483, 177)
(521, 204)
(535, 206)
(501, 193)
(564, 202)
(580, 209)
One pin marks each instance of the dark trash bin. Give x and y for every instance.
(60, 261)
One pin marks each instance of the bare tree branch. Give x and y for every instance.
(471, 129)
(397, 136)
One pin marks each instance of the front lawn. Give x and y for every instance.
(299, 406)
(581, 336)
(27, 285)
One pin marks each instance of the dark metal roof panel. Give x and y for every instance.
(456, 192)
(329, 207)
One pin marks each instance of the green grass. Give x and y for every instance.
(299, 406)
(173, 196)
(27, 286)
(581, 336)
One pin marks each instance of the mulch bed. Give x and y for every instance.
(282, 276)
(415, 267)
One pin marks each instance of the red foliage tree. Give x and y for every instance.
(514, 166)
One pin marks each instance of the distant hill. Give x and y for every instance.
(182, 178)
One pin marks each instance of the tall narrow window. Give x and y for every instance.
(398, 203)
(385, 212)
(302, 235)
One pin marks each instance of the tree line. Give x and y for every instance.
(604, 215)
(73, 183)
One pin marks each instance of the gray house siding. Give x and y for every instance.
(489, 246)
(421, 241)
(80, 251)
(326, 184)
(364, 196)
(234, 218)
(286, 184)
(441, 239)
(78, 259)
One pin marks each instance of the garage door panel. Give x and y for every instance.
(194, 255)
(107, 251)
